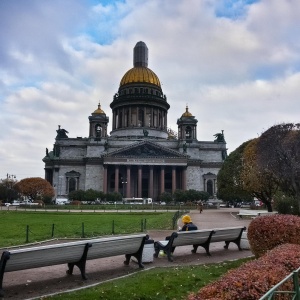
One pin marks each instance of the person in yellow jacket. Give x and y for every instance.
(188, 225)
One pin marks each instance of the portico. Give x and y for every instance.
(151, 171)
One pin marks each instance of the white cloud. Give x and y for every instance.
(238, 71)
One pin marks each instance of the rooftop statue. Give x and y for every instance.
(145, 132)
(219, 137)
(61, 133)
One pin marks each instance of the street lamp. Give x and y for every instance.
(9, 183)
(123, 182)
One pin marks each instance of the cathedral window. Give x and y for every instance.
(72, 185)
(188, 132)
(209, 187)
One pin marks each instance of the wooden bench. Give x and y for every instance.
(73, 253)
(198, 238)
(228, 235)
(254, 213)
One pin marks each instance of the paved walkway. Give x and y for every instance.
(34, 283)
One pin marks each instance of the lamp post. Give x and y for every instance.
(123, 182)
(9, 183)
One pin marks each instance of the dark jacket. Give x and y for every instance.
(189, 227)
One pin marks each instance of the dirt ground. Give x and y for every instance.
(40, 282)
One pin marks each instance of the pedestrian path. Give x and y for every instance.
(28, 284)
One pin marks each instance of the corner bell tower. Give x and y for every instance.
(98, 124)
(187, 126)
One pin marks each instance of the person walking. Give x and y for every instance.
(200, 207)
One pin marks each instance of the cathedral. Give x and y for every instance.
(140, 157)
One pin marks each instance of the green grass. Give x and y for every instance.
(160, 283)
(74, 225)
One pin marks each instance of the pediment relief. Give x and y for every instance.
(146, 149)
(72, 174)
(209, 175)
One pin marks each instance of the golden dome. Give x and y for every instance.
(187, 113)
(140, 75)
(98, 110)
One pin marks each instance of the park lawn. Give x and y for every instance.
(19, 227)
(172, 283)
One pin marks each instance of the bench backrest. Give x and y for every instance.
(42, 256)
(267, 213)
(192, 237)
(226, 234)
(120, 245)
(71, 252)
(248, 212)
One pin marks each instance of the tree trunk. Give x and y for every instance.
(269, 206)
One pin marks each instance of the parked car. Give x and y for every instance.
(15, 203)
(62, 201)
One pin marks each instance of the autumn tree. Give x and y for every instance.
(7, 190)
(35, 188)
(278, 151)
(229, 181)
(257, 181)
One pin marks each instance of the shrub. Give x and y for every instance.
(40, 202)
(287, 205)
(76, 202)
(267, 232)
(253, 279)
(165, 197)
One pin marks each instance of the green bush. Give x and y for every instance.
(267, 232)
(287, 205)
(253, 279)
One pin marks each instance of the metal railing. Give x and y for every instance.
(276, 293)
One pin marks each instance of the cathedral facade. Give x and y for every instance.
(141, 157)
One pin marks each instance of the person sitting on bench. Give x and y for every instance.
(188, 224)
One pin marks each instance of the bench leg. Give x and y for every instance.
(81, 263)
(138, 255)
(195, 247)
(204, 245)
(156, 250)
(237, 241)
(4, 258)
(170, 253)
(167, 249)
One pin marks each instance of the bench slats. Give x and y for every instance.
(226, 234)
(73, 253)
(198, 238)
(27, 259)
(113, 248)
(194, 237)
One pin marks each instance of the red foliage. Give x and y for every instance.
(267, 232)
(253, 279)
(35, 187)
(76, 202)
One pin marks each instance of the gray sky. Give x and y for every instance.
(235, 63)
